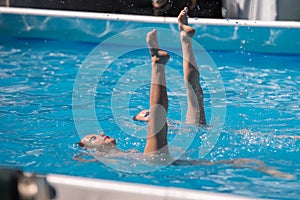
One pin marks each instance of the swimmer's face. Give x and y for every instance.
(98, 142)
(144, 115)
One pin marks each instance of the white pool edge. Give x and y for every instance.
(146, 19)
(68, 187)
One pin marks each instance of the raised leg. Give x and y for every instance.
(157, 126)
(195, 112)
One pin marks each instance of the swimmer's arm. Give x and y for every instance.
(195, 162)
(79, 158)
(240, 163)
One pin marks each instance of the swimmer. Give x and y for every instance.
(157, 143)
(156, 117)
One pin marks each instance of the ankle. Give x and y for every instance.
(160, 57)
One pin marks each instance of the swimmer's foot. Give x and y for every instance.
(184, 28)
(158, 55)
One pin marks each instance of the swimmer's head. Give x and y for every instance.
(144, 115)
(100, 142)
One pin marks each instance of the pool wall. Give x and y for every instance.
(212, 34)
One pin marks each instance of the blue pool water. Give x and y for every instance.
(262, 99)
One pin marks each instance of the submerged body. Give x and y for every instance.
(102, 146)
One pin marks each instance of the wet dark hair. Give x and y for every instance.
(80, 144)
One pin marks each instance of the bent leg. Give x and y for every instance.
(157, 126)
(195, 112)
